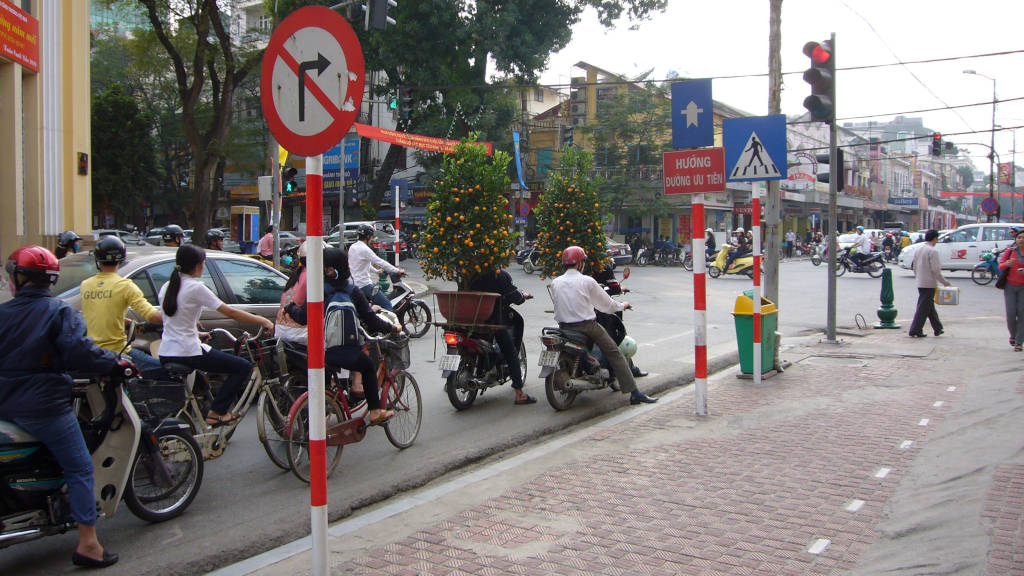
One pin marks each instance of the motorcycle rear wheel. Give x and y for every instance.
(181, 455)
(528, 266)
(875, 269)
(688, 262)
(981, 275)
(816, 260)
(460, 396)
(840, 269)
(714, 271)
(416, 318)
(559, 398)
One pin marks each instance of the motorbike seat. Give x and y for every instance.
(177, 369)
(11, 433)
(574, 336)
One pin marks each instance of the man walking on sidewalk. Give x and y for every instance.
(928, 270)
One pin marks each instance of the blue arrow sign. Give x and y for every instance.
(693, 123)
(755, 148)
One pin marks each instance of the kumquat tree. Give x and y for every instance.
(569, 214)
(468, 219)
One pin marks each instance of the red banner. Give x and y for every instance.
(428, 143)
(19, 36)
(694, 171)
(1006, 173)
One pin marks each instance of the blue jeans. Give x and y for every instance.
(63, 437)
(149, 367)
(379, 298)
(213, 360)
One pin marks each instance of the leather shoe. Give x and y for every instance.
(920, 335)
(109, 559)
(638, 397)
(939, 332)
(638, 373)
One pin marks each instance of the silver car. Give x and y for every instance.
(239, 281)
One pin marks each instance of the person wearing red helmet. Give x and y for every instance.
(575, 296)
(35, 390)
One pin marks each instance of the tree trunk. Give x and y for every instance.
(383, 180)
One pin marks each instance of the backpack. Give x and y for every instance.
(341, 321)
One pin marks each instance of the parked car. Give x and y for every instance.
(239, 281)
(962, 248)
(127, 237)
(619, 252)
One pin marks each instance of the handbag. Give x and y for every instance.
(1001, 281)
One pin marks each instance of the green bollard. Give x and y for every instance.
(887, 312)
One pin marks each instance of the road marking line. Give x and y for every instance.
(923, 422)
(854, 505)
(938, 404)
(819, 546)
(951, 389)
(906, 444)
(882, 472)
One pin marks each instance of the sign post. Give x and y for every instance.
(311, 90)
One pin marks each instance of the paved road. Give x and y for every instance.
(246, 505)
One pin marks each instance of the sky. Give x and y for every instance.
(714, 38)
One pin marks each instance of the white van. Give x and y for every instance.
(962, 248)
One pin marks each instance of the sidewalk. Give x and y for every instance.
(883, 454)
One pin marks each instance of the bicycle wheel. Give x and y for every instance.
(272, 422)
(298, 438)
(416, 318)
(981, 275)
(154, 497)
(404, 399)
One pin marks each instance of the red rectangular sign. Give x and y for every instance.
(695, 171)
(19, 36)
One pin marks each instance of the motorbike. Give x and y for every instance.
(151, 463)
(872, 265)
(819, 254)
(473, 361)
(528, 257)
(988, 269)
(413, 313)
(741, 265)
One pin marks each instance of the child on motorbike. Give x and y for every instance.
(501, 283)
(42, 339)
(183, 299)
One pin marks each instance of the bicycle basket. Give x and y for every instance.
(155, 400)
(397, 351)
(265, 354)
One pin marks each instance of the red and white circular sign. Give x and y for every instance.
(312, 80)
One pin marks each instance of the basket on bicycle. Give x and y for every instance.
(267, 353)
(396, 349)
(154, 400)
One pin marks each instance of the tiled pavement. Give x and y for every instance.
(791, 477)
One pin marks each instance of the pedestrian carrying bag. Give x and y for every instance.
(947, 296)
(1001, 281)
(341, 321)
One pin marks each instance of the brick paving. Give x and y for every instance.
(806, 461)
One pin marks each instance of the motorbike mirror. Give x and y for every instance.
(625, 273)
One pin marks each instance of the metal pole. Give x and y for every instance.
(833, 185)
(755, 220)
(700, 307)
(992, 151)
(398, 223)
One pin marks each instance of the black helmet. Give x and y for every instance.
(337, 258)
(213, 234)
(173, 231)
(364, 231)
(67, 240)
(109, 250)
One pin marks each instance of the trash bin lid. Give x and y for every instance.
(745, 305)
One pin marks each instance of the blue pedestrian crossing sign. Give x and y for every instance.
(693, 121)
(755, 148)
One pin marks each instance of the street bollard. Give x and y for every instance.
(887, 312)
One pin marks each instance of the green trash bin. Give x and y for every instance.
(743, 313)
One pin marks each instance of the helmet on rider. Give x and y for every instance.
(337, 258)
(573, 255)
(627, 346)
(109, 251)
(740, 230)
(709, 230)
(35, 263)
(68, 240)
(860, 229)
(173, 233)
(212, 235)
(364, 231)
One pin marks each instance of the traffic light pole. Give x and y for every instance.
(831, 230)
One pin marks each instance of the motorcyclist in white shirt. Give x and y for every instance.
(361, 260)
(863, 245)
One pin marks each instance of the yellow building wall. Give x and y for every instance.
(77, 118)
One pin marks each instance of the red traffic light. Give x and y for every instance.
(817, 52)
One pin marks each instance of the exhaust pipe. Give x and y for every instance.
(20, 536)
(581, 385)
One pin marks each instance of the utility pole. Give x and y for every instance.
(831, 230)
(773, 206)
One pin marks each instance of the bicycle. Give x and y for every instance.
(348, 424)
(272, 395)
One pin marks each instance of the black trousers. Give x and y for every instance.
(354, 359)
(925, 311)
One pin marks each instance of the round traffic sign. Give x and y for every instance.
(524, 209)
(312, 80)
(990, 205)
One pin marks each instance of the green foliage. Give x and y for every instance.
(468, 220)
(569, 214)
(966, 175)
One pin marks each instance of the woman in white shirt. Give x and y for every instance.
(183, 299)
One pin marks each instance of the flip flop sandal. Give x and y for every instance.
(525, 400)
(223, 420)
(382, 418)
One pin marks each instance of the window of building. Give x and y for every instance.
(265, 23)
(538, 95)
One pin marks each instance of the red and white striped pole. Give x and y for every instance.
(398, 224)
(317, 401)
(755, 219)
(700, 315)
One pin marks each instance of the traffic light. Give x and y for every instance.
(936, 144)
(565, 134)
(821, 76)
(839, 169)
(404, 103)
(379, 18)
(393, 103)
(288, 183)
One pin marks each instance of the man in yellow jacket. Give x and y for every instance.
(105, 299)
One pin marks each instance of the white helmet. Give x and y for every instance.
(740, 230)
(627, 346)
(709, 230)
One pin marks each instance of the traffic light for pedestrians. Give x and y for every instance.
(839, 169)
(379, 18)
(565, 134)
(936, 144)
(288, 184)
(821, 76)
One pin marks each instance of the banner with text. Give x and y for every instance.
(694, 171)
(428, 143)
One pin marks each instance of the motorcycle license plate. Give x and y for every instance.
(450, 362)
(549, 358)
